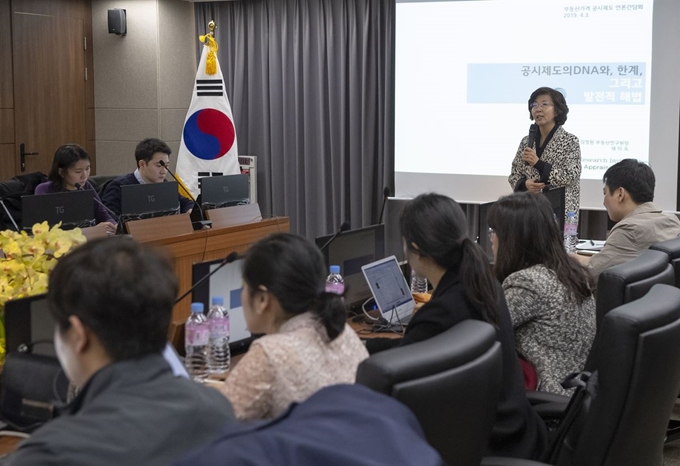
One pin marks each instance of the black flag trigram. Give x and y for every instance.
(209, 88)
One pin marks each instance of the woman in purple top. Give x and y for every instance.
(70, 171)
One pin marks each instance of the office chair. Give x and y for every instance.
(672, 249)
(631, 280)
(638, 379)
(451, 382)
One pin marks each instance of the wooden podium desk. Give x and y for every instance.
(185, 247)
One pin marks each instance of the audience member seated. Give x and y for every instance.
(434, 232)
(70, 172)
(628, 194)
(307, 345)
(111, 300)
(341, 425)
(549, 295)
(149, 155)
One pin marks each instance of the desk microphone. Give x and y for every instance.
(344, 227)
(386, 194)
(96, 199)
(233, 256)
(200, 211)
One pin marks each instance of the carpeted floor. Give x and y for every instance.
(671, 451)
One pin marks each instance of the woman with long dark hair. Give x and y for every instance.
(70, 172)
(549, 294)
(434, 232)
(307, 345)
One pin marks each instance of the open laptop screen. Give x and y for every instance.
(390, 290)
(224, 191)
(72, 208)
(149, 200)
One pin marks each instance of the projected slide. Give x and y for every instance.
(465, 70)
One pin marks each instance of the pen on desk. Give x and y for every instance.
(592, 242)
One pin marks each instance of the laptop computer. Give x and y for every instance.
(72, 208)
(224, 191)
(390, 290)
(149, 200)
(227, 283)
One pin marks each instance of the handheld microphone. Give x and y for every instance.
(200, 211)
(386, 194)
(533, 132)
(344, 227)
(231, 257)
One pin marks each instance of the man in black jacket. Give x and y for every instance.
(111, 300)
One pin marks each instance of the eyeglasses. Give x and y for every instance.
(543, 105)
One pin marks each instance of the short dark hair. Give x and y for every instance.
(559, 102)
(65, 157)
(293, 270)
(436, 225)
(528, 235)
(121, 290)
(634, 176)
(149, 146)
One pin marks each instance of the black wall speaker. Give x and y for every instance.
(117, 21)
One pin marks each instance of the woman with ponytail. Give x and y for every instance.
(307, 344)
(434, 233)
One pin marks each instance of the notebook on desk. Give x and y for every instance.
(390, 290)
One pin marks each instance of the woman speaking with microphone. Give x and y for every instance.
(553, 157)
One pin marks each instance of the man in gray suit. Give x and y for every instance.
(628, 194)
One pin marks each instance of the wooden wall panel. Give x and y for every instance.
(6, 91)
(6, 161)
(6, 125)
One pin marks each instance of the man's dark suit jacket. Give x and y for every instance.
(340, 425)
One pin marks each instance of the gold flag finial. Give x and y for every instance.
(211, 60)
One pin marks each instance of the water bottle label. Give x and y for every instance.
(219, 328)
(337, 288)
(570, 229)
(196, 335)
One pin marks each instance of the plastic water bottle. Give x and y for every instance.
(418, 283)
(334, 282)
(219, 357)
(196, 336)
(570, 232)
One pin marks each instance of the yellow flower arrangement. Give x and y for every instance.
(26, 261)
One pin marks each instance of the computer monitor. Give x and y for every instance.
(393, 243)
(390, 290)
(224, 191)
(227, 283)
(351, 250)
(28, 320)
(72, 208)
(148, 200)
(556, 197)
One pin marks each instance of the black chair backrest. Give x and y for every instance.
(451, 382)
(631, 280)
(638, 373)
(672, 249)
